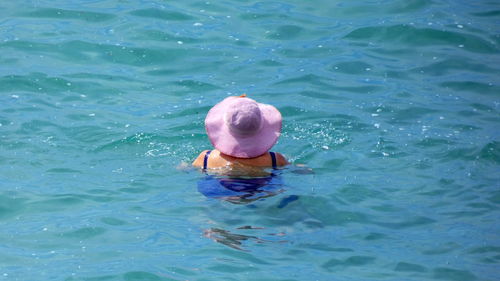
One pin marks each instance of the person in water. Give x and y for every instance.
(242, 131)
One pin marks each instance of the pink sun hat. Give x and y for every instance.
(243, 128)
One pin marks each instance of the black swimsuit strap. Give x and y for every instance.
(205, 160)
(273, 159)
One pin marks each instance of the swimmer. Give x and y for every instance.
(242, 132)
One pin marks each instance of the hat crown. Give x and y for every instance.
(243, 128)
(244, 117)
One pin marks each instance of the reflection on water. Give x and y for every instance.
(234, 240)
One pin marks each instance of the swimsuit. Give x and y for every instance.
(273, 159)
(217, 186)
(220, 187)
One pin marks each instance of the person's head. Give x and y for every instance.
(241, 127)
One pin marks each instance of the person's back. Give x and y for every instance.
(242, 132)
(216, 159)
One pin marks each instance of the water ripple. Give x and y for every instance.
(413, 36)
(53, 13)
(161, 14)
(391, 114)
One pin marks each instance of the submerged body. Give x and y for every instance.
(239, 180)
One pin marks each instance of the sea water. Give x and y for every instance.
(392, 106)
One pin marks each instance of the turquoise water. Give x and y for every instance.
(394, 105)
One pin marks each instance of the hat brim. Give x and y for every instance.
(252, 146)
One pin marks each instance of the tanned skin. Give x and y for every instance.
(217, 159)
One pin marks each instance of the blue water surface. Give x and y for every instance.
(392, 106)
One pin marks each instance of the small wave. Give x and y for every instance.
(55, 13)
(90, 134)
(63, 170)
(409, 267)
(494, 13)
(410, 222)
(198, 86)
(348, 262)
(411, 114)
(158, 35)
(84, 233)
(162, 14)
(414, 36)
(286, 32)
(308, 78)
(82, 51)
(445, 273)
(11, 206)
(472, 86)
(454, 64)
(352, 67)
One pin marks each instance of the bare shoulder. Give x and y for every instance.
(281, 159)
(198, 162)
